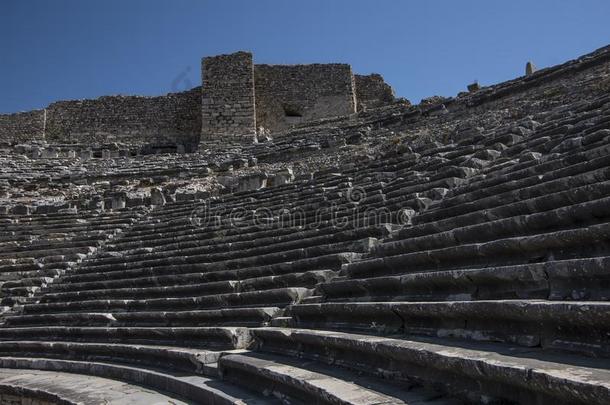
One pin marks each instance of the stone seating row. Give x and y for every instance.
(52, 244)
(500, 301)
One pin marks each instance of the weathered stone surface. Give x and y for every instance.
(35, 387)
(281, 377)
(193, 388)
(466, 238)
(224, 106)
(156, 196)
(527, 378)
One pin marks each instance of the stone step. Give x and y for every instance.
(196, 361)
(195, 389)
(180, 223)
(24, 291)
(422, 185)
(261, 195)
(211, 338)
(307, 382)
(313, 299)
(162, 242)
(274, 297)
(537, 178)
(31, 264)
(230, 251)
(574, 326)
(35, 218)
(89, 216)
(82, 250)
(558, 245)
(257, 316)
(191, 237)
(552, 169)
(53, 242)
(17, 267)
(178, 219)
(225, 261)
(533, 188)
(282, 321)
(580, 214)
(306, 280)
(535, 205)
(77, 225)
(577, 279)
(253, 245)
(189, 290)
(54, 387)
(182, 227)
(196, 273)
(35, 232)
(480, 372)
(191, 231)
(27, 282)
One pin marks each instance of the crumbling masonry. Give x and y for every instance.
(237, 99)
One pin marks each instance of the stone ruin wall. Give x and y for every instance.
(238, 97)
(227, 108)
(170, 119)
(292, 94)
(372, 91)
(22, 127)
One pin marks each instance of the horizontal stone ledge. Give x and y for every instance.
(175, 357)
(573, 326)
(584, 279)
(30, 386)
(315, 383)
(256, 316)
(173, 274)
(484, 254)
(204, 337)
(278, 296)
(483, 370)
(194, 388)
(545, 202)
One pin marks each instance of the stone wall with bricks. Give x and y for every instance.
(291, 94)
(236, 99)
(227, 108)
(168, 119)
(174, 118)
(372, 91)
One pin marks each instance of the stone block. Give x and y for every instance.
(119, 201)
(156, 196)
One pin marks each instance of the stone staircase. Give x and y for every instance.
(470, 272)
(36, 249)
(496, 291)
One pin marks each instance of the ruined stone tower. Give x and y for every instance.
(239, 97)
(227, 104)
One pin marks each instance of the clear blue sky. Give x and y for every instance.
(67, 49)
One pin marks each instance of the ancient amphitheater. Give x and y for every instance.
(294, 234)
